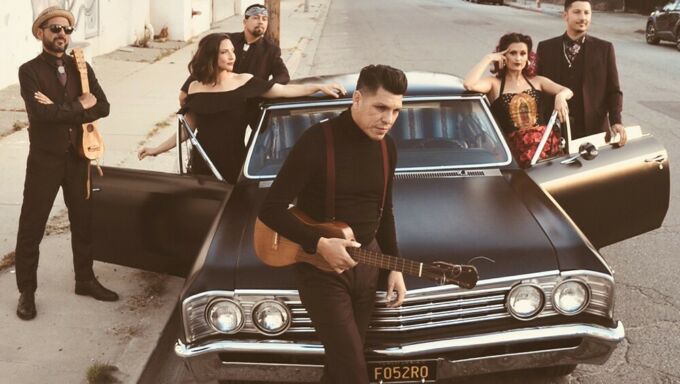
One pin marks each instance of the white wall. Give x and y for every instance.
(16, 18)
(115, 24)
(222, 9)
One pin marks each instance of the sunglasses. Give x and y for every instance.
(56, 28)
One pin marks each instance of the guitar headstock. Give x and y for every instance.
(465, 276)
(79, 57)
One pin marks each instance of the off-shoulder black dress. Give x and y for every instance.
(221, 119)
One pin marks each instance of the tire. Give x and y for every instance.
(677, 40)
(650, 34)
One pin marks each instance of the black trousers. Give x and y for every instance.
(340, 307)
(45, 173)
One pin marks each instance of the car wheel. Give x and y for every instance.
(559, 370)
(650, 34)
(677, 41)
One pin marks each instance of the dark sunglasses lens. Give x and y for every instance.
(58, 28)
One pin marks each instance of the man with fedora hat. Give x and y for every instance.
(51, 89)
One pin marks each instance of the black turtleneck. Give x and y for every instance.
(359, 186)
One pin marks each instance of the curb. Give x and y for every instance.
(535, 10)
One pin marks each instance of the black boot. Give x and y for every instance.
(95, 289)
(26, 307)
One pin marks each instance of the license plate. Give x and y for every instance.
(418, 371)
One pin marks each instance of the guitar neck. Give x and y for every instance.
(79, 57)
(84, 81)
(393, 263)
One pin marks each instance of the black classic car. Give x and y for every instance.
(545, 295)
(664, 24)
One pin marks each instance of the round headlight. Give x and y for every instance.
(225, 316)
(271, 317)
(570, 297)
(525, 301)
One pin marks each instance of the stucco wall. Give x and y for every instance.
(103, 25)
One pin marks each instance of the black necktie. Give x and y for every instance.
(61, 72)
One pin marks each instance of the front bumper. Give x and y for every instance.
(595, 346)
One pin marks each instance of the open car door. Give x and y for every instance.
(619, 193)
(153, 220)
(156, 221)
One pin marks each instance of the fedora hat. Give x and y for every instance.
(49, 13)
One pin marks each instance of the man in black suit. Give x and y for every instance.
(56, 108)
(586, 65)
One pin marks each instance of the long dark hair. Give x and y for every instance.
(203, 66)
(509, 38)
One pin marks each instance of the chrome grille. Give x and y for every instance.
(424, 310)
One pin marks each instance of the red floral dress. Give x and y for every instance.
(517, 115)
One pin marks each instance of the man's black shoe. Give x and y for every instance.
(26, 307)
(95, 289)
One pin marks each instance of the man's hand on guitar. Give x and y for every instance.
(395, 284)
(334, 252)
(87, 100)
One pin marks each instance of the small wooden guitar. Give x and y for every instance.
(277, 251)
(93, 145)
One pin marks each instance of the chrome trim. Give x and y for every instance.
(596, 346)
(536, 334)
(407, 99)
(199, 148)
(419, 304)
(544, 138)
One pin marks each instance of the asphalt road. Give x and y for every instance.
(452, 35)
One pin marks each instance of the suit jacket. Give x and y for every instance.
(55, 127)
(602, 96)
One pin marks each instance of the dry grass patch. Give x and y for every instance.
(102, 373)
(152, 288)
(58, 224)
(7, 261)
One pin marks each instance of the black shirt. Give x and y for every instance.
(55, 127)
(359, 186)
(221, 118)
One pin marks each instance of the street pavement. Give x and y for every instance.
(72, 334)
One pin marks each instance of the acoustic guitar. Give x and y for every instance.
(277, 251)
(93, 145)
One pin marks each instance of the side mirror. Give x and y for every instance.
(588, 151)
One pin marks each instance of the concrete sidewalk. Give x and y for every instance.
(72, 334)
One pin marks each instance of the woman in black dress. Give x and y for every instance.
(515, 91)
(216, 105)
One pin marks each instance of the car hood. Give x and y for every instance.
(502, 223)
(458, 218)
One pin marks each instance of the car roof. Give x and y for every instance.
(419, 84)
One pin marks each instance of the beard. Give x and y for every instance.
(258, 31)
(53, 47)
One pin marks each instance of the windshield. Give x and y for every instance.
(432, 134)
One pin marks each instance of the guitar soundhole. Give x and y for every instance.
(90, 128)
